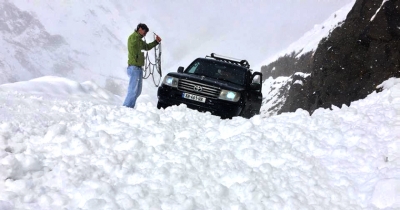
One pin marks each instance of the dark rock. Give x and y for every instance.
(288, 65)
(357, 56)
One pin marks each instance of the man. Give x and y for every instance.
(136, 62)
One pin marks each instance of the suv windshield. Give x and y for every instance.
(218, 70)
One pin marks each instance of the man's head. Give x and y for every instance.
(142, 29)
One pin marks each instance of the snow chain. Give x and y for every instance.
(150, 67)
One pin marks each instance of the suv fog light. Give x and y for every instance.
(229, 95)
(170, 81)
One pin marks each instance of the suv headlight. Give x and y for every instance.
(170, 81)
(229, 95)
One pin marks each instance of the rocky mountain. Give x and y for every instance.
(73, 47)
(347, 65)
(289, 68)
(25, 41)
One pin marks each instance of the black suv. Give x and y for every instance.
(223, 86)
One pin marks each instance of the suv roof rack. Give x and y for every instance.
(235, 61)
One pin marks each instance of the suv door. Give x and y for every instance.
(254, 96)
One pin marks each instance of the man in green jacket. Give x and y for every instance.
(136, 45)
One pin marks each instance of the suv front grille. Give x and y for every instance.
(198, 88)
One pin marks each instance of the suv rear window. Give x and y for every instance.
(218, 70)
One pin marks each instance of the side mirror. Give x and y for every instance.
(256, 81)
(257, 77)
(255, 86)
(180, 69)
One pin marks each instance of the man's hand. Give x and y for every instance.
(157, 37)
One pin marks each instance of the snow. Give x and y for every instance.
(58, 87)
(70, 145)
(373, 17)
(67, 144)
(386, 194)
(299, 82)
(302, 74)
(271, 90)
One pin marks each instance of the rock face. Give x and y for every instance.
(357, 56)
(288, 65)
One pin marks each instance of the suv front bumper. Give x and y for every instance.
(168, 96)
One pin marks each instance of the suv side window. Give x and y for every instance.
(193, 68)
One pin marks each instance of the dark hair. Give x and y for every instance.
(142, 26)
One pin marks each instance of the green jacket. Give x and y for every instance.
(135, 47)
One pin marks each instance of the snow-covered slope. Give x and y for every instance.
(59, 88)
(97, 30)
(63, 39)
(309, 41)
(28, 50)
(273, 91)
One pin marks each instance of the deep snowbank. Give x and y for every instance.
(77, 151)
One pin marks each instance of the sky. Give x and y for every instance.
(71, 145)
(252, 30)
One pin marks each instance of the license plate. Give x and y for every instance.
(193, 97)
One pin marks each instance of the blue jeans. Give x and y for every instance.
(135, 85)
